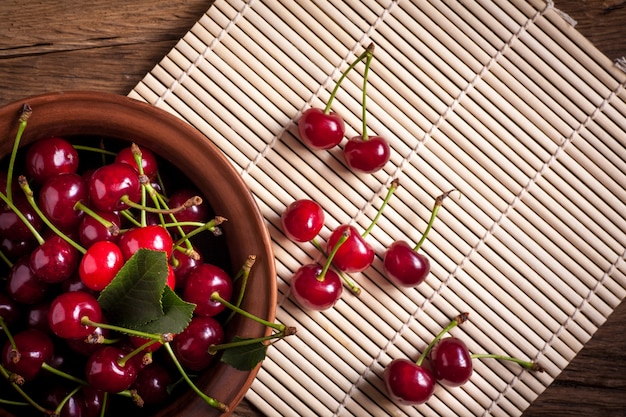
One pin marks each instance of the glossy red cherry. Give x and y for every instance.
(408, 383)
(55, 260)
(182, 264)
(58, 196)
(67, 310)
(191, 346)
(313, 293)
(366, 156)
(22, 284)
(153, 384)
(106, 371)
(451, 362)
(319, 130)
(404, 266)
(152, 237)
(50, 156)
(202, 281)
(110, 183)
(354, 255)
(14, 228)
(34, 346)
(196, 213)
(91, 230)
(99, 265)
(302, 220)
(148, 161)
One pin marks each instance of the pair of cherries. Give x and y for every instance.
(323, 129)
(446, 360)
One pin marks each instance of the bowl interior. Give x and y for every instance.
(88, 114)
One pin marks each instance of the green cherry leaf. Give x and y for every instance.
(176, 315)
(245, 357)
(134, 296)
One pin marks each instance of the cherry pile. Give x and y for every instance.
(446, 360)
(323, 129)
(112, 292)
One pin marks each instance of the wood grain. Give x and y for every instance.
(52, 45)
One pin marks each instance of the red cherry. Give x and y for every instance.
(67, 310)
(91, 230)
(366, 155)
(354, 255)
(192, 344)
(202, 281)
(319, 130)
(313, 293)
(182, 265)
(105, 371)
(408, 383)
(302, 220)
(22, 284)
(99, 265)
(12, 227)
(34, 346)
(50, 156)
(404, 266)
(148, 161)
(110, 183)
(58, 196)
(196, 213)
(55, 260)
(152, 237)
(451, 362)
(153, 384)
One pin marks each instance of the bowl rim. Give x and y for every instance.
(72, 111)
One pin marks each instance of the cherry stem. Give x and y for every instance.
(9, 402)
(360, 58)
(25, 113)
(57, 411)
(461, 318)
(9, 336)
(531, 365)
(211, 401)
(20, 391)
(368, 61)
(92, 149)
(243, 275)
(344, 236)
(111, 227)
(213, 349)
(215, 296)
(21, 216)
(31, 199)
(137, 155)
(159, 337)
(392, 188)
(6, 259)
(433, 215)
(210, 225)
(354, 288)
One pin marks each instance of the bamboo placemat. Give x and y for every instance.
(504, 101)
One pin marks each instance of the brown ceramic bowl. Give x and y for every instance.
(118, 117)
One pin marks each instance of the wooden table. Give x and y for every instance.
(49, 45)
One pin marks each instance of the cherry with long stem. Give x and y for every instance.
(405, 265)
(364, 153)
(323, 129)
(356, 255)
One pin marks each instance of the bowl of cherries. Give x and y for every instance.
(137, 272)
